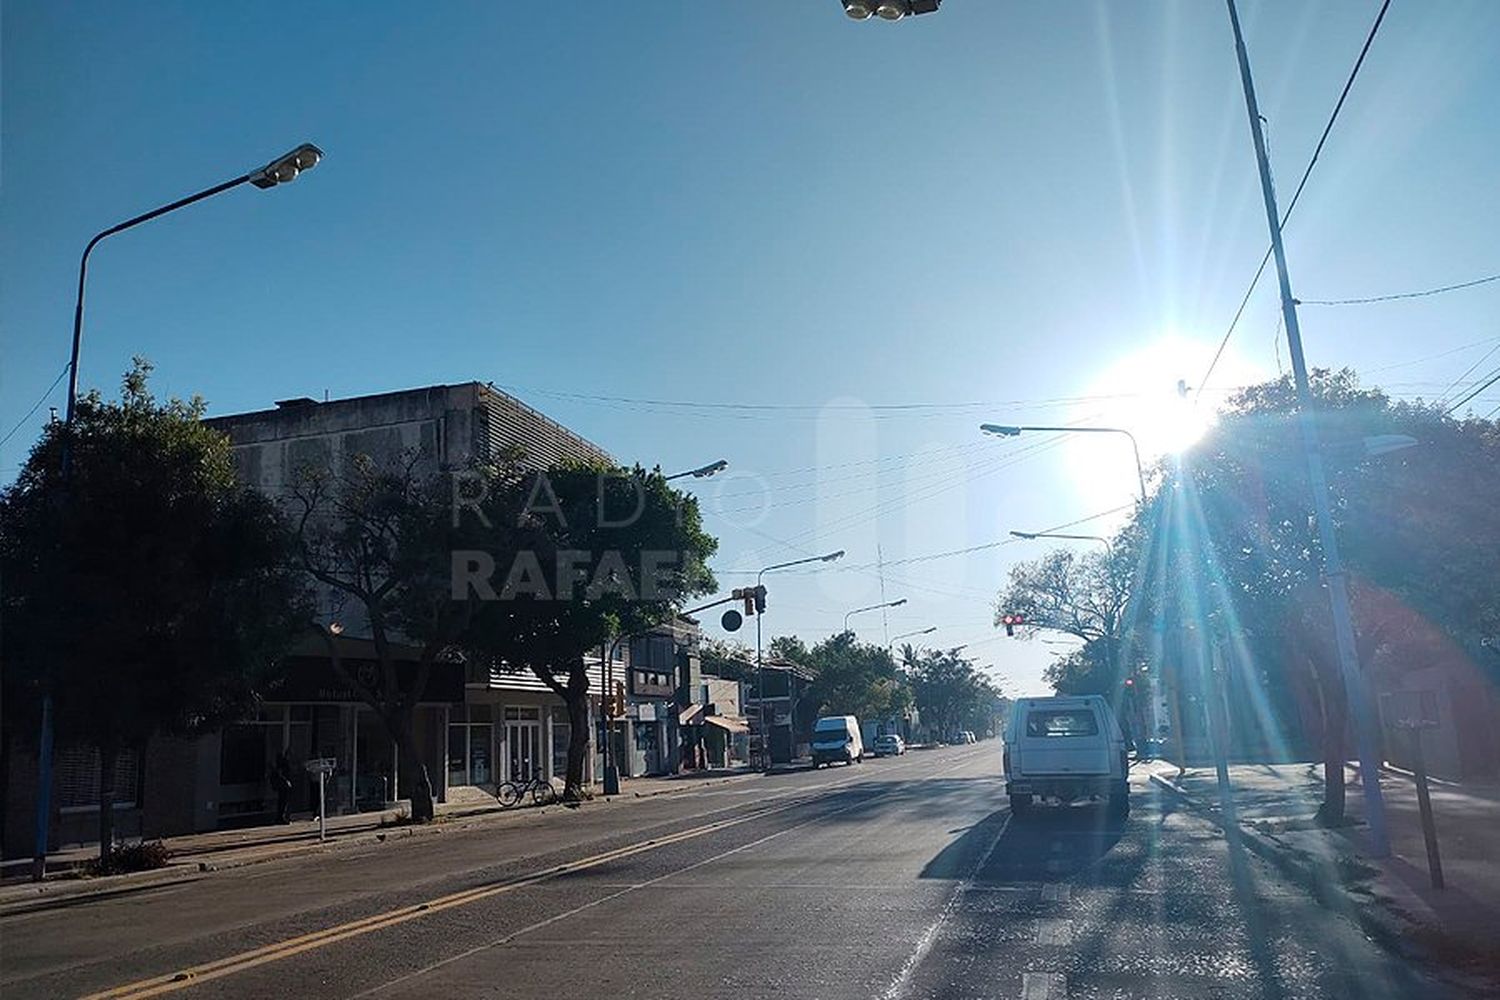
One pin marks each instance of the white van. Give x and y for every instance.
(1065, 748)
(836, 737)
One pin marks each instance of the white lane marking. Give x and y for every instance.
(1056, 932)
(1057, 892)
(555, 918)
(925, 942)
(1043, 986)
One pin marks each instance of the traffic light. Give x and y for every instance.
(754, 598)
(1010, 622)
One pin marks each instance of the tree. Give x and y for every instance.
(851, 677)
(149, 593)
(1418, 529)
(379, 538)
(604, 553)
(950, 692)
(1080, 595)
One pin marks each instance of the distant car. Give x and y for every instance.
(836, 738)
(888, 745)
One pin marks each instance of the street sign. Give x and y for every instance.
(322, 767)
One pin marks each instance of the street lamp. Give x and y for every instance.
(281, 170)
(1033, 535)
(702, 472)
(760, 688)
(873, 607)
(906, 635)
(889, 10)
(1011, 430)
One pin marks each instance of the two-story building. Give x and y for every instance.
(473, 729)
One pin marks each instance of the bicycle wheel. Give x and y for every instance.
(543, 794)
(510, 794)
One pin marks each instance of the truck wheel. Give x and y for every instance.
(1020, 805)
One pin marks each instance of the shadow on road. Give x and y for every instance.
(1047, 846)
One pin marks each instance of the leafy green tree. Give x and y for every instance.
(1418, 529)
(852, 677)
(1082, 595)
(149, 594)
(379, 539)
(950, 693)
(603, 552)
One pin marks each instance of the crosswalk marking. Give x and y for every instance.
(1055, 932)
(1043, 986)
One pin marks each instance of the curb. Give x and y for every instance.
(192, 866)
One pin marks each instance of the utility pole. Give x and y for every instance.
(1333, 567)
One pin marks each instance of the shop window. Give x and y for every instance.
(562, 734)
(242, 755)
(77, 774)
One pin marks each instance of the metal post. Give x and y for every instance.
(1218, 717)
(1333, 569)
(261, 178)
(1424, 803)
(322, 804)
(611, 769)
(763, 759)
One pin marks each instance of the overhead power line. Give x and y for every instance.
(1317, 151)
(1466, 373)
(34, 407)
(1399, 295)
(1490, 380)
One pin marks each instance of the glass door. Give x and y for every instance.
(523, 743)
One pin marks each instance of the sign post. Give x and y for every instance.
(1414, 711)
(322, 767)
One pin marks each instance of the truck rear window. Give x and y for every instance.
(1074, 722)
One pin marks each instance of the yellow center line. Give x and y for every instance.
(276, 951)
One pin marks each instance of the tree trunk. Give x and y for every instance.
(1335, 712)
(108, 756)
(577, 699)
(422, 807)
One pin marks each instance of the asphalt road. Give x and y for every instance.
(904, 877)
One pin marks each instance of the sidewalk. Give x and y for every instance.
(197, 855)
(1275, 805)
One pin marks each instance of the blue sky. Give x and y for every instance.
(750, 231)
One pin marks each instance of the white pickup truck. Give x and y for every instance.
(1065, 748)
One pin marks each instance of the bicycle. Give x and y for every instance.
(512, 792)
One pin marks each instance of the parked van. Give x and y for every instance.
(836, 738)
(1065, 748)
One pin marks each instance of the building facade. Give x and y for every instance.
(471, 732)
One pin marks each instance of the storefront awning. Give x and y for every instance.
(728, 725)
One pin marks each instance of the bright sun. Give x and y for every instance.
(1140, 393)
